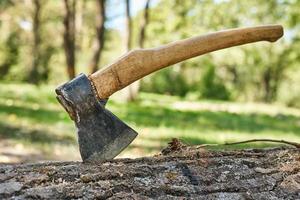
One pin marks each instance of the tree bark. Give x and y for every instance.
(69, 36)
(178, 173)
(100, 30)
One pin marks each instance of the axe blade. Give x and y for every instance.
(101, 135)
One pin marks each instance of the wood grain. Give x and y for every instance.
(138, 63)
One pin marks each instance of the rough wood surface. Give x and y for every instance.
(138, 63)
(179, 173)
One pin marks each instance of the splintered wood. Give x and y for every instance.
(180, 172)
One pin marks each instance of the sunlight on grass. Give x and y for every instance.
(31, 121)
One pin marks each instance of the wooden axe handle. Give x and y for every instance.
(138, 63)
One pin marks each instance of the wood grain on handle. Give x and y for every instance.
(138, 63)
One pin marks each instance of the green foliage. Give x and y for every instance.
(168, 82)
(46, 56)
(253, 72)
(256, 72)
(211, 86)
(5, 3)
(11, 53)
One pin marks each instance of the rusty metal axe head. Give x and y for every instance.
(101, 135)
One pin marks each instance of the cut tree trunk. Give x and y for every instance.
(178, 173)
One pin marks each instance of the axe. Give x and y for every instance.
(102, 135)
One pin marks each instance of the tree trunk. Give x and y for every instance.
(133, 89)
(267, 78)
(80, 21)
(129, 89)
(69, 36)
(128, 26)
(145, 21)
(100, 29)
(33, 76)
(180, 173)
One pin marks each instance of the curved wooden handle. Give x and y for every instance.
(138, 63)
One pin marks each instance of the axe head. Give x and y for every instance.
(101, 135)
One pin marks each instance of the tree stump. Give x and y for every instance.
(180, 172)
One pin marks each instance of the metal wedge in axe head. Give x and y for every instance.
(101, 135)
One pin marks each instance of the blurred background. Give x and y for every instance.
(246, 92)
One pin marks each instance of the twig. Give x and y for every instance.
(295, 144)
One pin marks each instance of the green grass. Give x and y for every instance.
(31, 117)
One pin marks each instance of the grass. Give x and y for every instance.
(33, 126)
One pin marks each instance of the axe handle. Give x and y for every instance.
(138, 63)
